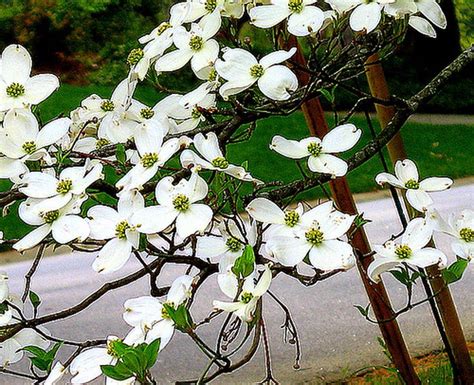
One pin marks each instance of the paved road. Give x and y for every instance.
(335, 338)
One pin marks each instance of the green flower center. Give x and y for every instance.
(15, 90)
(50, 216)
(403, 252)
(314, 148)
(220, 162)
(29, 147)
(181, 203)
(314, 236)
(295, 6)
(257, 71)
(412, 184)
(107, 105)
(149, 159)
(112, 348)
(135, 56)
(196, 43)
(101, 143)
(233, 244)
(246, 297)
(292, 218)
(212, 75)
(147, 113)
(162, 28)
(210, 5)
(121, 230)
(196, 114)
(64, 186)
(467, 234)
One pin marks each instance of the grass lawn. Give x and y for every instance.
(438, 150)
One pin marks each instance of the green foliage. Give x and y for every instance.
(180, 316)
(42, 359)
(244, 265)
(465, 15)
(455, 271)
(132, 361)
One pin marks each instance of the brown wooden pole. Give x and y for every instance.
(444, 300)
(378, 297)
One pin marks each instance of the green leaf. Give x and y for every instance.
(180, 316)
(35, 350)
(327, 95)
(401, 276)
(3, 307)
(120, 154)
(363, 310)
(132, 361)
(455, 272)
(151, 353)
(117, 372)
(34, 299)
(244, 265)
(40, 363)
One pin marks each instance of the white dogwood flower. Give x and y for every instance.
(153, 154)
(149, 317)
(64, 223)
(319, 152)
(17, 88)
(303, 17)
(248, 298)
(21, 140)
(195, 45)
(7, 312)
(208, 147)
(200, 8)
(56, 374)
(117, 227)
(317, 235)
(87, 365)
(58, 192)
(282, 222)
(227, 242)
(411, 250)
(406, 177)
(430, 9)
(242, 70)
(177, 203)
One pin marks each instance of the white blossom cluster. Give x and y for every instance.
(58, 165)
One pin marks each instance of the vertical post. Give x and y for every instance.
(444, 300)
(378, 297)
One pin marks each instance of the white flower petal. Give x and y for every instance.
(419, 199)
(16, 64)
(228, 284)
(327, 164)
(33, 238)
(341, 138)
(433, 12)
(153, 219)
(422, 25)
(366, 17)
(428, 257)
(288, 251)
(276, 57)
(417, 234)
(39, 87)
(206, 56)
(52, 132)
(86, 366)
(142, 309)
(70, 227)
(265, 211)
(103, 222)
(309, 21)
(385, 177)
(210, 246)
(435, 184)
(113, 256)
(39, 185)
(195, 219)
(379, 266)
(277, 82)
(174, 60)
(406, 170)
(263, 283)
(332, 255)
(289, 148)
(267, 16)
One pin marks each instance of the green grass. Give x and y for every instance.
(438, 150)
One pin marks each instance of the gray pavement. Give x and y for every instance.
(335, 338)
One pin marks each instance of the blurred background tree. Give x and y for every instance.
(87, 41)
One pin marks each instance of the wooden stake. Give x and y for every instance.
(378, 297)
(444, 300)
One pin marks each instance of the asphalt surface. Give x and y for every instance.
(335, 339)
